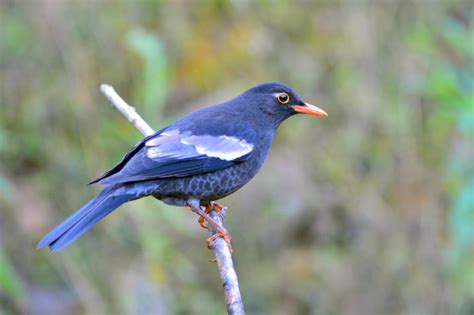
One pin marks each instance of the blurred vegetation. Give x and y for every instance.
(370, 211)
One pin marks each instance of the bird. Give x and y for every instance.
(194, 162)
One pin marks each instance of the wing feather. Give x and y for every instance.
(173, 153)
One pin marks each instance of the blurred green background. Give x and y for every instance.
(368, 211)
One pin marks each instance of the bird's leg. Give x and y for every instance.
(221, 231)
(225, 236)
(212, 206)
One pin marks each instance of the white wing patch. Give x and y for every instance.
(222, 147)
(173, 144)
(168, 146)
(165, 136)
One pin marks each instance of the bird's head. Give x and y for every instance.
(279, 101)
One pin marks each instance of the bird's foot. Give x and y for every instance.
(221, 232)
(212, 206)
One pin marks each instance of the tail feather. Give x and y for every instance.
(84, 218)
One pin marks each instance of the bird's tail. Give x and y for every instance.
(109, 199)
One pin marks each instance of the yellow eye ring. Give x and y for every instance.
(283, 98)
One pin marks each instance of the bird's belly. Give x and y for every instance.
(209, 186)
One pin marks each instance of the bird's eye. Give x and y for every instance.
(283, 98)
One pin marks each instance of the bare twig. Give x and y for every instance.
(126, 110)
(227, 272)
(225, 264)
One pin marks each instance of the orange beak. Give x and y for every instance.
(310, 110)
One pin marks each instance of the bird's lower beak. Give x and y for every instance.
(310, 110)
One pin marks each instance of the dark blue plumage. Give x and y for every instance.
(199, 159)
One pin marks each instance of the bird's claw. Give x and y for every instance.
(205, 220)
(202, 223)
(224, 235)
(213, 206)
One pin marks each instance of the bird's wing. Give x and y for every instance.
(173, 153)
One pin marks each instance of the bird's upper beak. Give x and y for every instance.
(309, 109)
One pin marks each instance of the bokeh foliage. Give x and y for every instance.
(370, 211)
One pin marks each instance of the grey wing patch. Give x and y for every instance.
(168, 146)
(176, 154)
(174, 145)
(226, 148)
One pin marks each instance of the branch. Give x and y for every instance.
(226, 268)
(225, 264)
(126, 110)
